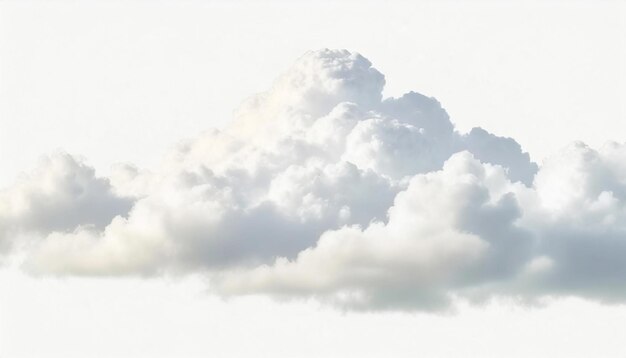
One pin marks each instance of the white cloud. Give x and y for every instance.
(578, 208)
(61, 195)
(448, 229)
(321, 187)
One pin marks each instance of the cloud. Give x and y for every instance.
(449, 229)
(579, 209)
(61, 195)
(322, 188)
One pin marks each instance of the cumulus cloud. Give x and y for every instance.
(322, 188)
(578, 208)
(447, 230)
(61, 195)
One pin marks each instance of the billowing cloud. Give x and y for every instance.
(322, 188)
(449, 229)
(61, 195)
(578, 209)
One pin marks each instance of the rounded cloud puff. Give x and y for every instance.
(320, 187)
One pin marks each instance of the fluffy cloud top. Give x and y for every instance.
(320, 187)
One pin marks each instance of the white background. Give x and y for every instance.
(122, 81)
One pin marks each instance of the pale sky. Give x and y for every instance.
(124, 81)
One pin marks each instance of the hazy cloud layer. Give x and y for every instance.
(322, 188)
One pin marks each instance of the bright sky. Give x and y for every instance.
(124, 80)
